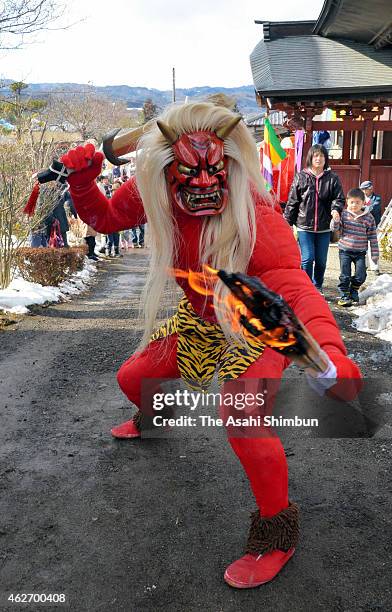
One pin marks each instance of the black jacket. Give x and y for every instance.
(311, 200)
(375, 208)
(60, 214)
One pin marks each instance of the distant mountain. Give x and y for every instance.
(136, 96)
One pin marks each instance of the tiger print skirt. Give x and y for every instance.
(202, 347)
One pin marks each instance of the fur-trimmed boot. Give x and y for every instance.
(130, 429)
(271, 543)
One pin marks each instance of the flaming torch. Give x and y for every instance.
(262, 313)
(268, 317)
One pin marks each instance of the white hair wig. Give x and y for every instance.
(227, 240)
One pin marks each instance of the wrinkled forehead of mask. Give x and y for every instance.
(199, 149)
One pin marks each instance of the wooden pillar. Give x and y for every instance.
(366, 148)
(307, 144)
(356, 154)
(310, 112)
(379, 145)
(346, 147)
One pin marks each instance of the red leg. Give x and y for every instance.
(157, 360)
(263, 458)
(270, 546)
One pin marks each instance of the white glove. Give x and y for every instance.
(323, 380)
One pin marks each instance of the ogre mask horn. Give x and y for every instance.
(167, 131)
(224, 131)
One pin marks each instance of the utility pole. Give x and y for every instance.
(174, 84)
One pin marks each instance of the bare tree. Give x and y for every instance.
(22, 152)
(21, 18)
(88, 113)
(24, 112)
(150, 110)
(15, 185)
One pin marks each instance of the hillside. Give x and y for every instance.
(135, 96)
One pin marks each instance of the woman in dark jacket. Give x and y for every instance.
(315, 196)
(60, 214)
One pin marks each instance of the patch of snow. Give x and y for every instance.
(21, 293)
(375, 312)
(382, 285)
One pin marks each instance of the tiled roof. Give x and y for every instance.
(257, 119)
(361, 20)
(311, 64)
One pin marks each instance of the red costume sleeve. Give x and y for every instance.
(123, 211)
(261, 203)
(276, 261)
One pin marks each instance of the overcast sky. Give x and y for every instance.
(137, 42)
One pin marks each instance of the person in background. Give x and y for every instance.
(103, 187)
(316, 194)
(100, 183)
(89, 238)
(114, 238)
(38, 236)
(373, 203)
(60, 214)
(323, 138)
(107, 188)
(125, 240)
(116, 173)
(137, 240)
(358, 229)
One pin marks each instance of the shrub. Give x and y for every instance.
(386, 245)
(48, 266)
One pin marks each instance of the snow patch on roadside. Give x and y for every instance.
(21, 293)
(375, 312)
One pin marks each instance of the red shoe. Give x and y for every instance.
(126, 430)
(252, 570)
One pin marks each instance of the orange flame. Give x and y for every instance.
(204, 283)
(201, 282)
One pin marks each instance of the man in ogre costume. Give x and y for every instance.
(198, 186)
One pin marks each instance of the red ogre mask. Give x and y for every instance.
(197, 177)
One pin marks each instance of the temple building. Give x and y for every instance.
(335, 75)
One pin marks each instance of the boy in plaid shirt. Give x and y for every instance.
(358, 229)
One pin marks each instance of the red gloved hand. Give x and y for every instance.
(350, 382)
(86, 164)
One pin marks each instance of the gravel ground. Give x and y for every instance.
(151, 525)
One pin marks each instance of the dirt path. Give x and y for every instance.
(151, 525)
